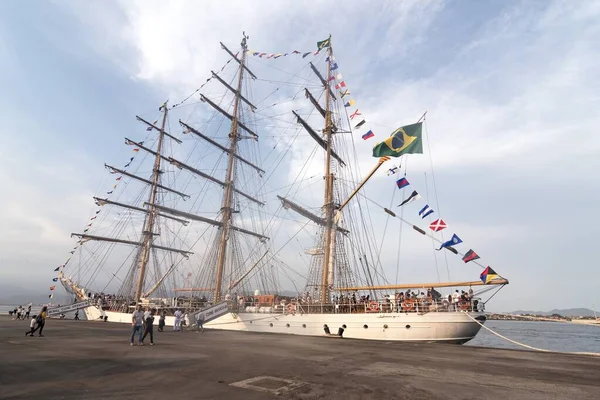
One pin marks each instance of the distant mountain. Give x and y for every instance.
(569, 312)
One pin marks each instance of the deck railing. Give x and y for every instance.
(420, 306)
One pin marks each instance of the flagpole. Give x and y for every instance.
(422, 117)
(379, 164)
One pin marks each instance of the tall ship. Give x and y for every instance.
(258, 197)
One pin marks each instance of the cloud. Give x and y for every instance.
(521, 94)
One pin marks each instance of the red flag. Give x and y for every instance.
(437, 225)
(355, 114)
(470, 256)
(340, 85)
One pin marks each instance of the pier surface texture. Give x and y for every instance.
(93, 360)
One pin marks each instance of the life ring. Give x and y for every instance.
(408, 305)
(464, 305)
(291, 308)
(373, 306)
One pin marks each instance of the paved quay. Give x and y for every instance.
(93, 360)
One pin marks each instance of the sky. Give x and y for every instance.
(511, 89)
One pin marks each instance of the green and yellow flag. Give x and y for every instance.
(323, 43)
(404, 140)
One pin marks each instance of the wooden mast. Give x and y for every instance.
(149, 228)
(228, 193)
(329, 240)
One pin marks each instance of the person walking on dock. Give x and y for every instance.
(177, 324)
(161, 320)
(137, 321)
(27, 314)
(149, 322)
(41, 321)
(200, 324)
(32, 324)
(76, 318)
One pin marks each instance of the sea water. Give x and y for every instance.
(553, 336)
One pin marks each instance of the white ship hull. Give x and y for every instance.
(94, 313)
(447, 327)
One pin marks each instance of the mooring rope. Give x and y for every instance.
(531, 347)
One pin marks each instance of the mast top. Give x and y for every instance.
(244, 41)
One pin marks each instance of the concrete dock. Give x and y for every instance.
(93, 360)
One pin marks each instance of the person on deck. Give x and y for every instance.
(76, 318)
(455, 299)
(149, 322)
(137, 321)
(28, 312)
(435, 295)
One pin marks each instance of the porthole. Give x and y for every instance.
(385, 326)
(250, 321)
(271, 325)
(304, 325)
(407, 326)
(365, 326)
(287, 325)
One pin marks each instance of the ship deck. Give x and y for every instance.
(93, 360)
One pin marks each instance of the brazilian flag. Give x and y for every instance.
(323, 43)
(404, 140)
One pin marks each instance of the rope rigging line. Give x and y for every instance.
(405, 159)
(528, 346)
(437, 270)
(437, 201)
(425, 234)
(197, 90)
